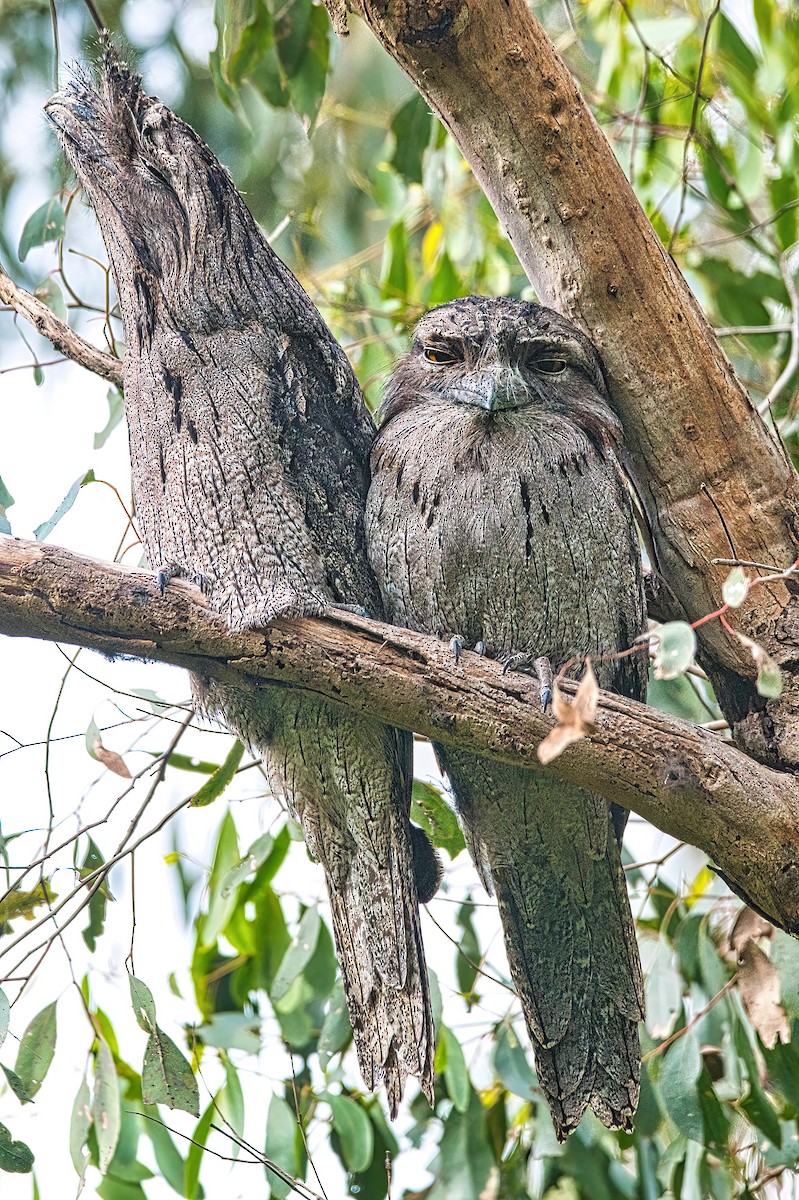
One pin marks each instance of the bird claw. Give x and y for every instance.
(172, 571)
(456, 644)
(543, 671)
(164, 574)
(516, 662)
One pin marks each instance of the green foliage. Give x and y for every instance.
(36, 1051)
(430, 811)
(46, 528)
(47, 224)
(374, 209)
(116, 410)
(15, 1157)
(220, 779)
(6, 501)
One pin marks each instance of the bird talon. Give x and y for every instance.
(516, 662)
(543, 669)
(163, 576)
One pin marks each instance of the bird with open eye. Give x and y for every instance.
(498, 517)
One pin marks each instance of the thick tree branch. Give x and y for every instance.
(715, 482)
(683, 779)
(65, 340)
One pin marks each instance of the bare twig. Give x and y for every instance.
(692, 127)
(788, 265)
(62, 337)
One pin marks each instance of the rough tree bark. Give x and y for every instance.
(715, 482)
(683, 779)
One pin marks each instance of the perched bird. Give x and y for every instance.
(250, 447)
(498, 518)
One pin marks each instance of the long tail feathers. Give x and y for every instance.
(555, 867)
(380, 951)
(348, 780)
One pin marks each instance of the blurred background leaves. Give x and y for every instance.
(371, 205)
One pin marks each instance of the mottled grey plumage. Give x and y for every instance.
(249, 444)
(498, 513)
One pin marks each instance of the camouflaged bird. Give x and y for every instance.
(498, 518)
(250, 446)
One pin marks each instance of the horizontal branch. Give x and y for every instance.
(681, 778)
(58, 333)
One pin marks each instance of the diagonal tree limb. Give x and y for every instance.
(58, 333)
(679, 777)
(714, 481)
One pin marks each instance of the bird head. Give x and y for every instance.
(497, 356)
(174, 225)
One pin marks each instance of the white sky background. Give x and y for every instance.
(45, 444)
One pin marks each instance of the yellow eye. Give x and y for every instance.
(550, 366)
(442, 357)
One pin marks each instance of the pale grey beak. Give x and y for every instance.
(495, 389)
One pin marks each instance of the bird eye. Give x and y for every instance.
(550, 366)
(434, 354)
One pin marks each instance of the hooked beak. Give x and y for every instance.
(496, 389)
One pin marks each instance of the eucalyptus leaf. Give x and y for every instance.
(735, 587)
(511, 1065)
(216, 785)
(167, 1156)
(47, 224)
(46, 528)
(336, 1032)
(36, 1050)
(456, 1074)
(16, 1085)
(15, 1157)
(430, 810)
(116, 411)
(769, 677)
(680, 1072)
(231, 1100)
(166, 1076)
(258, 853)
(79, 1125)
(354, 1129)
(674, 649)
(5, 1012)
(465, 1159)
(220, 908)
(298, 954)
(143, 1004)
(194, 1155)
(106, 1107)
(280, 1146)
(51, 295)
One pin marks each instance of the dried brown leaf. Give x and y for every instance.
(748, 925)
(759, 986)
(574, 720)
(111, 760)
